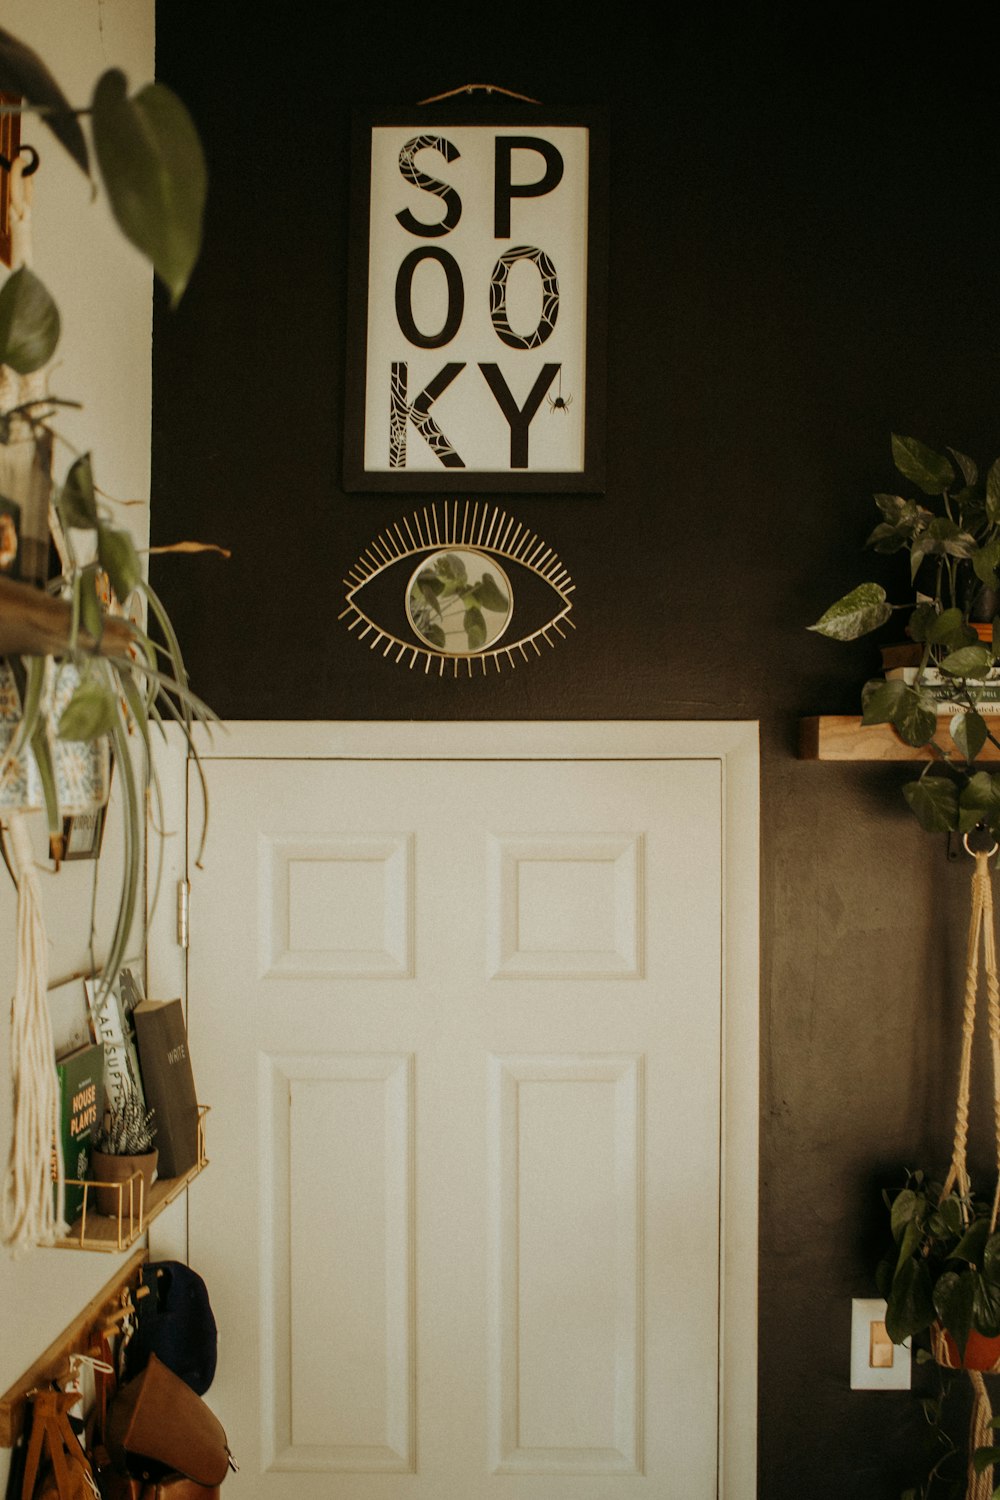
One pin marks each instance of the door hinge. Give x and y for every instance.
(183, 911)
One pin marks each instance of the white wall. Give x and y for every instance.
(103, 290)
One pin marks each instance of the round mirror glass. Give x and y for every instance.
(459, 601)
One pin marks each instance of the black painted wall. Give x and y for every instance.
(804, 257)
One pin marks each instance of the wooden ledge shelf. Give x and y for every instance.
(136, 1210)
(78, 1338)
(844, 737)
(93, 1231)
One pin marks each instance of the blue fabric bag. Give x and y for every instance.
(174, 1321)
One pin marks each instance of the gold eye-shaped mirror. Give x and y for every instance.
(454, 600)
(459, 601)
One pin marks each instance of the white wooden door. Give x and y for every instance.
(460, 1024)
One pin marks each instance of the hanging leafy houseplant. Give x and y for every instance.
(944, 1265)
(952, 534)
(152, 170)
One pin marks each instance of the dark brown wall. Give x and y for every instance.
(804, 257)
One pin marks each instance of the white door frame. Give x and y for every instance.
(735, 745)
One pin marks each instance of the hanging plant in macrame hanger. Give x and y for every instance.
(942, 1276)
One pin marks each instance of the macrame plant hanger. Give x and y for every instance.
(35, 1168)
(982, 937)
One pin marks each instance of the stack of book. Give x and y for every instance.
(941, 688)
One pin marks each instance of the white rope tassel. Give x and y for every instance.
(35, 1171)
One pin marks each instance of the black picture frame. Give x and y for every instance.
(564, 149)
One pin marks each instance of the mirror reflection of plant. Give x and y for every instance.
(959, 544)
(445, 591)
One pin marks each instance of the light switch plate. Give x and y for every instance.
(866, 1311)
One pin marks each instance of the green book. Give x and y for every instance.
(81, 1085)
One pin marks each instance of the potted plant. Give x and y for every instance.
(124, 1147)
(951, 533)
(87, 625)
(942, 1274)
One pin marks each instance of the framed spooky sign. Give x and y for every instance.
(477, 307)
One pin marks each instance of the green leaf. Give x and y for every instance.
(487, 594)
(905, 1207)
(929, 470)
(972, 1244)
(92, 711)
(986, 1306)
(76, 504)
(968, 466)
(29, 323)
(934, 801)
(993, 492)
(920, 622)
(475, 628)
(119, 559)
(945, 536)
(984, 1458)
(969, 733)
(954, 1294)
(991, 1258)
(949, 1213)
(879, 699)
(968, 661)
(91, 614)
(914, 717)
(153, 169)
(23, 72)
(984, 562)
(910, 1306)
(435, 635)
(858, 612)
(979, 801)
(944, 626)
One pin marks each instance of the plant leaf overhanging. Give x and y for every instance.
(153, 174)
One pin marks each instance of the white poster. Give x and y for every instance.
(476, 324)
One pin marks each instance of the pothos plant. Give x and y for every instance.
(943, 1266)
(951, 532)
(131, 679)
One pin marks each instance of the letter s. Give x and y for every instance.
(452, 202)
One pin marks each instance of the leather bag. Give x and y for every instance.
(119, 1486)
(178, 1487)
(157, 1416)
(68, 1475)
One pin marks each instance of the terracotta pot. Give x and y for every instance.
(106, 1169)
(981, 1353)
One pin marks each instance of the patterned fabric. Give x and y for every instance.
(82, 768)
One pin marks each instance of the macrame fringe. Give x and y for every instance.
(35, 1170)
(981, 1435)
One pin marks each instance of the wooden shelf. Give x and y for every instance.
(78, 1338)
(94, 1231)
(844, 737)
(114, 1233)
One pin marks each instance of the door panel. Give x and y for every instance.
(460, 1023)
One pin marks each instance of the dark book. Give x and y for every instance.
(81, 1087)
(168, 1083)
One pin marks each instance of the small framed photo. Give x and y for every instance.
(82, 835)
